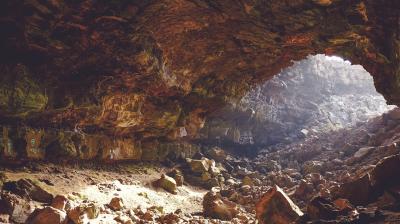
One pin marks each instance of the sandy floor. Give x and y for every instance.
(131, 183)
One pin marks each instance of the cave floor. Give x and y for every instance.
(132, 183)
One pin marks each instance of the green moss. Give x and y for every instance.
(20, 94)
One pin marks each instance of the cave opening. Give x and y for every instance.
(315, 97)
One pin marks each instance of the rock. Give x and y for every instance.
(179, 180)
(123, 219)
(215, 206)
(206, 176)
(199, 166)
(358, 191)
(16, 207)
(312, 167)
(167, 183)
(320, 208)
(275, 207)
(28, 188)
(178, 177)
(304, 190)
(116, 204)
(386, 173)
(47, 215)
(217, 154)
(61, 202)
(82, 213)
(362, 152)
(4, 218)
(247, 181)
(394, 114)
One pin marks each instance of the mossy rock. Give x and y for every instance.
(19, 93)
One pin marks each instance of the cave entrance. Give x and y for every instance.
(315, 96)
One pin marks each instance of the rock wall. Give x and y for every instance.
(24, 144)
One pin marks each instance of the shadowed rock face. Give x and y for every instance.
(156, 69)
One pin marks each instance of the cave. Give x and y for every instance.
(199, 111)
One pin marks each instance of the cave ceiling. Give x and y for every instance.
(157, 69)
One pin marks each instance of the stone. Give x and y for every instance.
(247, 181)
(47, 215)
(312, 167)
(82, 213)
(358, 191)
(177, 175)
(275, 207)
(320, 208)
(394, 114)
(61, 202)
(116, 204)
(28, 188)
(362, 152)
(199, 165)
(16, 207)
(167, 183)
(206, 176)
(4, 218)
(217, 154)
(386, 173)
(215, 206)
(123, 219)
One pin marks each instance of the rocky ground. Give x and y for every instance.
(348, 176)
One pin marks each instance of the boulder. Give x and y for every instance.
(116, 204)
(358, 191)
(362, 152)
(215, 206)
(313, 167)
(394, 114)
(28, 188)
(321, 208)
(47, 215)
(199, 165)
(167, 183)
(61, 202)
(178, 177)
(217, 154)
(82, 213)
(386, 173)
(275, 207)
(16, 207)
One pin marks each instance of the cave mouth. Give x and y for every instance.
(314, 97)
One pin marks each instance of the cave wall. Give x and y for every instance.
(154, 70)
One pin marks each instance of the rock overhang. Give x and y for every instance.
(157, 69)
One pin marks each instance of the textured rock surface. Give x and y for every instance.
(156, 69)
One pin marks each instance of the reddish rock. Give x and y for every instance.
(47, 215)
(215, 206)
(358, 191)
(275, 207)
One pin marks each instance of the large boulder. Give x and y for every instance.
(386, 173)
(218, 207)
(275, 207)
(47, 215)
(167, 183)
(358, 191)
(28, 188)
